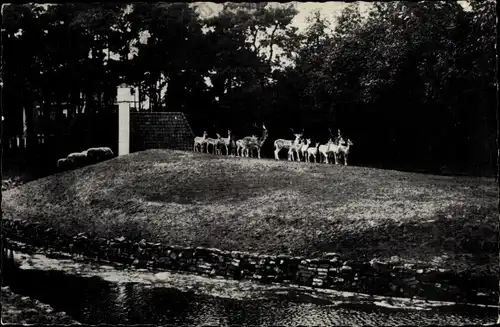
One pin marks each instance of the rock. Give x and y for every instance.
(409, 266)
(322, 271)
(338, 280)
(348, 263)
(379, 266)
(412, 281)
(395, 259)
(317, 281)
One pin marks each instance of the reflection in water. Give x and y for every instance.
(92, 300)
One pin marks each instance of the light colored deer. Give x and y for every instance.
(225, 141)
(241, 149)
(200, 140)
(304, 145)
(251, 143)
(344, 150)
(286, 144)
(312, 151)
(324, 150)
(213, 142)
(299, 146)
(295, 149)
(335, 146)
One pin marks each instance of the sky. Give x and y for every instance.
(329, 9)
(305, 9)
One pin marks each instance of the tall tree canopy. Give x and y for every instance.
(412, 83)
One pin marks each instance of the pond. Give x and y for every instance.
(94, 294)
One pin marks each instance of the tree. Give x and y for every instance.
(21, 70)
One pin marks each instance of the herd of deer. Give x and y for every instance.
(298, 149)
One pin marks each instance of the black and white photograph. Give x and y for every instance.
(250, 163)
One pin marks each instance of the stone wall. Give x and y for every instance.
(330, 271)
(160, 130)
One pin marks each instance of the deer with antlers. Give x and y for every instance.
(213, 142)
(286, 144)
(199, 141)
(312, 151)
(252, 143)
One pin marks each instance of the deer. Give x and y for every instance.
(251, 143)
(224, 141)
(324, 150)
(217, 147)
(344, 150)
(213, 142)
(304, 145)
(295, 149)
(233, 147)
(287, 144)
(312, 151)
(200, 140)
(241, 149)
(335, 146)
(299, 146)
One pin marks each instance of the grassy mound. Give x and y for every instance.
(187, 198)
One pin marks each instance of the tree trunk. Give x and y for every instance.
(29, 107)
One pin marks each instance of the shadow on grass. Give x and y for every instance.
(469, 238)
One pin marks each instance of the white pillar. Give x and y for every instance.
(123, 128)
(123, 100)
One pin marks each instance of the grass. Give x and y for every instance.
(17, 309)
(264, 206)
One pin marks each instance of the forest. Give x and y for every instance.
(411, 83)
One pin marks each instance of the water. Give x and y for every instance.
(94, 294)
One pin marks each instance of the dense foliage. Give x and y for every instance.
(411, 83)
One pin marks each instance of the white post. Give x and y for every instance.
(123, 100)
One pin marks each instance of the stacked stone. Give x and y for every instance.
(393, 278)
